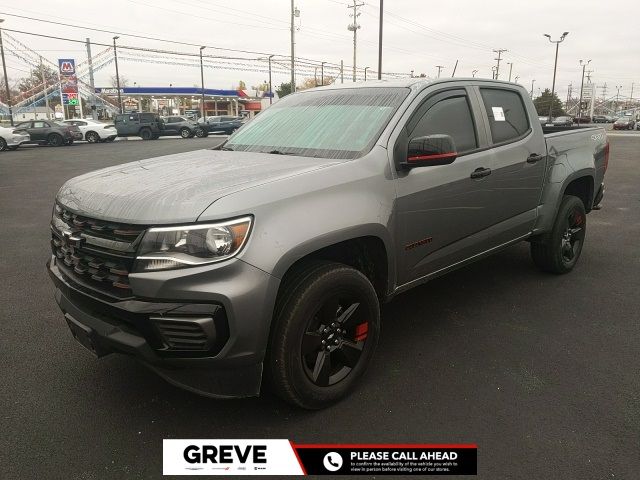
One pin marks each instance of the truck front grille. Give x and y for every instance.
(95, 254)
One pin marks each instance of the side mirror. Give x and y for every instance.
(430, 150)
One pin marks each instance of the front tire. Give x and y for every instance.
(3, 144)
(201, 133)
(326, 327)
(558, 252)
(185, 133)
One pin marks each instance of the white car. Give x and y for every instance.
(93, 131)
(11, 138)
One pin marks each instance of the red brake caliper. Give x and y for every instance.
(361, 331)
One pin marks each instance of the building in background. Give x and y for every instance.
(34, 113)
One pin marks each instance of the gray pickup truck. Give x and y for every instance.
(270, 256)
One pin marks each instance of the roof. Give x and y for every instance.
(410, 82)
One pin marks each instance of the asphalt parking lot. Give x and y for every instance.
(540, 371)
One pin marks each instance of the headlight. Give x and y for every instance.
(166, 248)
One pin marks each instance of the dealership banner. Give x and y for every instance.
(283, 457)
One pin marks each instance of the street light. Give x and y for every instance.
(618, 87)
(584, 65)
(510, 69)
(473, 73)
(115, 56)
(516, 79)
(555, 67)
(532, 82)
(6, 79)
(204, 118)
(365, 73)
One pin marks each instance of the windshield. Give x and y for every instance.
(341, 123)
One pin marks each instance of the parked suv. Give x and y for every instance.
(50, 132)
(148, 126)
(180, 126)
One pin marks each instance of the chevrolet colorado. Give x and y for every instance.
(270, 256)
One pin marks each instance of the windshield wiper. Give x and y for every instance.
(279, 152)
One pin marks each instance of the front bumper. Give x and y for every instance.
(231, 368)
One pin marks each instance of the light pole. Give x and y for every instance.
(439, 67)
(618, 87)
(493, 73)
(270, 87)
(516, 79)
(584, 66)
(365, 73)
(115, 56)
(473, 73)
(6, 79)
(294, 13)
(204, 118)
(510, 69)
(380, 41)
(555, 68)
(322, 73)
(532, 82)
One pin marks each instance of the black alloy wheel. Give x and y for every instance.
(334, 340)
(55, 140)
(572, 237)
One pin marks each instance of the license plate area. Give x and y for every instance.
(85, 336)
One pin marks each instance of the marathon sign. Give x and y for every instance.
(283, 457)
(68, 81)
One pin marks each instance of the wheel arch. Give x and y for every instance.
(581, 185)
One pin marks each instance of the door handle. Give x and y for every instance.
(480, 172)
(534, 157)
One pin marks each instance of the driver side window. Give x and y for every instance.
(450, 116)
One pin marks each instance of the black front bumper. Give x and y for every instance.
(127, 327)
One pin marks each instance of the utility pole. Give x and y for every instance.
(94, 112)
(380, 41)
(365, 73)
(532, 82)
(630, 97)
(510, 69)
(555, 68)
(322, 73)
(618, 87)
(455, 67)
(294, 13)
(44, 88)
(569, 95)
(353, 27)
(439, 67)
(204, 117)
(341, 71)
(115, 56)
(270, 86)
(6, 79)
(500, 51)
(584, 66)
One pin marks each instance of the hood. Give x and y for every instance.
(176, 188)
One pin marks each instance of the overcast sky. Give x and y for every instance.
(418, 35)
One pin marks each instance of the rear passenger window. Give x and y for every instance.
(507, 114)
(451, 116)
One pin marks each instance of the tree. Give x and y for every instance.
(124, 81)
(284, 89)
(544, 101)
(35, 79)
(241, 85)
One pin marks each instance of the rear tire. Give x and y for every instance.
(55, 140)
(185, 133)
(558, 251)
(326, 327)
(201, 133)
(92, 137)
(146, 134)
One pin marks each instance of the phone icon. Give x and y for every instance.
(332, 461)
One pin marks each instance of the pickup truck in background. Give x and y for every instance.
(270, 256)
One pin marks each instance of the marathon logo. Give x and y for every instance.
(282, 457)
